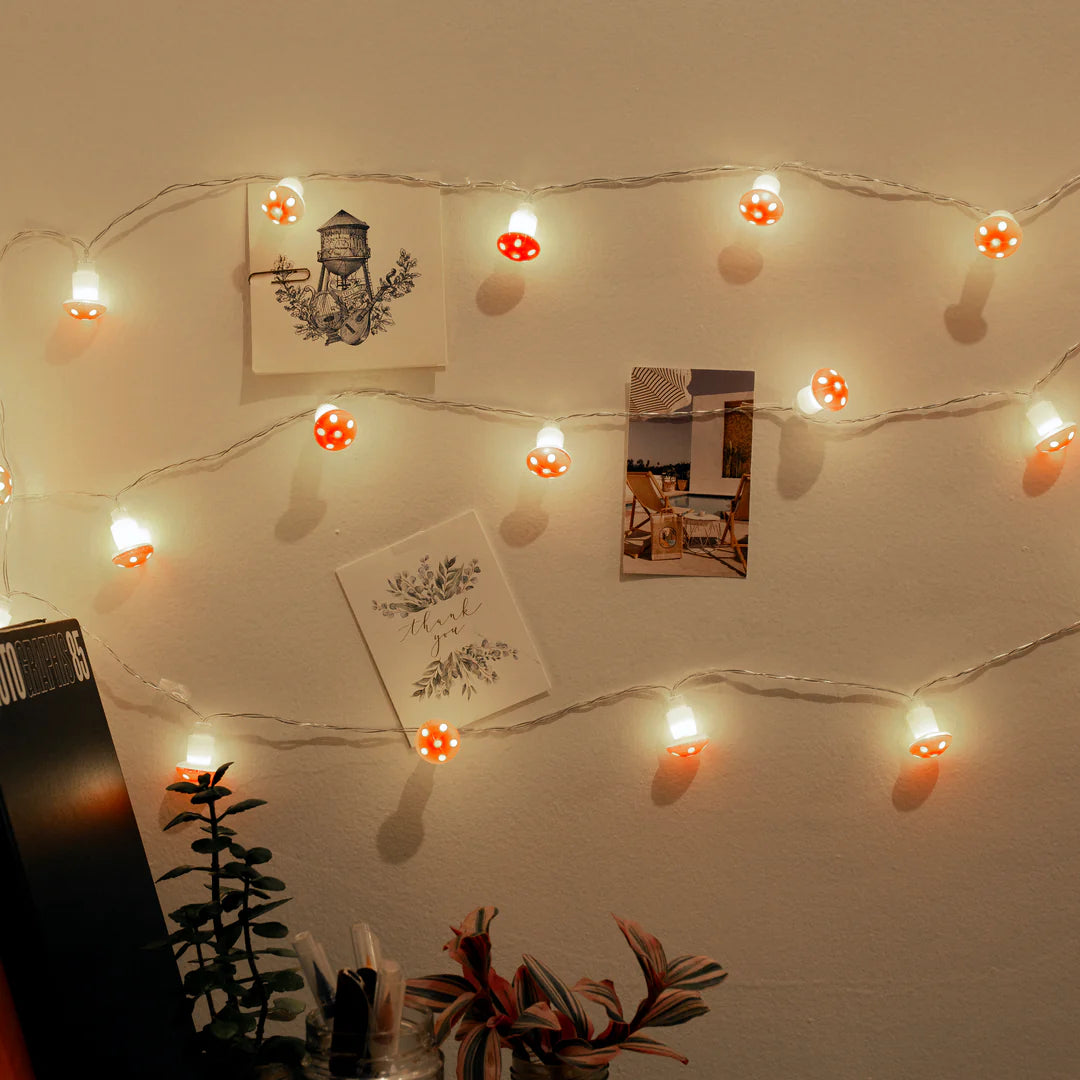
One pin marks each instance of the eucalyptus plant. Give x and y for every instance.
(217, 935)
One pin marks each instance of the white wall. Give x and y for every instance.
(707, 447)
(875, 923)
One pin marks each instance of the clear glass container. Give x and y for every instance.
(417, 1056)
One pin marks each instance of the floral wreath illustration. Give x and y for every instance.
(472, 665)
(350, 308)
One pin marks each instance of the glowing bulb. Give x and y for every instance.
(762, 204)
(284, 202)
(438, 742)
(133, 547)
(85, 302)
(929, 740)
(689, 742)
(998, 235)
(5, 611)
(548, 459)
(200, 753)
(1051, 432)
(335, 429)
(826, 390)
(519, 241)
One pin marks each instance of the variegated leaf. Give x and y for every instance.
(526, 992)
(436, 991)
(559, 995)
(613, 1034)
(478, 921)
(649, 951)
(603, 993)
(672, 1007)
(474, 955)
(502, 994)
(445, 1020)
(642, 1044)
(538, 1016)
(479, 1057)
(694, 973)
(579, 1052)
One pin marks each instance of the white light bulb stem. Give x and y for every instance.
(1044, 418)
(293, 183)
(550, 435)
(200, 746)
(682, 722)
(126, 531)
(767, 182)
(806, 403)
(322, 410)
(85, 283)
(922, 721)
(523, 220)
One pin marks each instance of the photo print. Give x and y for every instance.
(355, 284)
(686, 505)
(442, 626)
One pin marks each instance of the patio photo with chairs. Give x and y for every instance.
(687, 486)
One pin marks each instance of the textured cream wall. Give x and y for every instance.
(874, 927)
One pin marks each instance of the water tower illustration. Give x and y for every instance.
(344, 311)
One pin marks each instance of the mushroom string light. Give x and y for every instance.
(762, 204)
(85, 302)
(827, 390)
(689, 742)
(548, 459)
(6, 485)
(438, 742)
(133, 546)
(998, 235)
(200, 753)
(335, 428)
(519, 241)
(284, 203)
(929, 740)
(1051, 431)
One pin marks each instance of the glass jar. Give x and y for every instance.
(527, 1069)
(417, 1056)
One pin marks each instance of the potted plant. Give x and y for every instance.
(540, 1019)
(217, 935)
(669, 478)
(682, 475)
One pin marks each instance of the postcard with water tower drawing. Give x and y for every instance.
(355, 284)
(442, 626)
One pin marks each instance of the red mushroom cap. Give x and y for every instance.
(7, 485)
(998, 235)
(519, 246)
(548, 462)
(930, 746)
(283, 205)
(133, 556)
(84, 309)
(438, 742)
(830, 390)
(335, 429)
(761, 207)
(688, 749)
(1057, 440)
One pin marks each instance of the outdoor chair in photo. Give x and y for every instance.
(739, 512)
(647, 493)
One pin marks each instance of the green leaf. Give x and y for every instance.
(211, 794)
(177, 871)
(478, 1055)
(230, 934)
(674, 1007)
(647, 949)
(559, 994)
(642, 1044)
(207, 845)
(264, 909)
(694, 973)
(232, 900)
(185, 815)
(285, 1009)
(185, 786)
(275, 951)
(283, 979)
(539, 1016)
(223, 1029)
(242, 805)
(270, 884)
(220, 772)
(258, 855)
(237, 851)
(240, 870)
(270, 930)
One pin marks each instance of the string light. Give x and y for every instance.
(929, 740)
(133, 547)
(85, 302)
(826, 391)
(519, 241)
(547, 458)
(688, 741)
(438, 742)
(335, 428)
(1052, 433)
(998, 235)
(7, 485)
(284, 203)
(200, 752)
(762, 204)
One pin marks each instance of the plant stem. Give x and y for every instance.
(215, 895)
(209, 997)
(264, 1001)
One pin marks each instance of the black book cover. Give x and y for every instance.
(78, 902)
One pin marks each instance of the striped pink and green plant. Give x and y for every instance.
(538, 1017)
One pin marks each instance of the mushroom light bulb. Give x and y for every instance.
(519, 241)
(688, 741)
(85, 302)
(335, 428)
(1051, 432)
(200, 753)
(762, 204)
(826, 391)
(284, 203)
(929, 740)
(133, 547)
(998, 235)
(438, 742)
(548, 459)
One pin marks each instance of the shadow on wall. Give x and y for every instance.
(1042, 472)
(741, 262)
(528, 520)
(673, 778)
(802, 456)
(501, 291)
(305, 509)
(401, 834)
(914, 784)
(964, 320)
